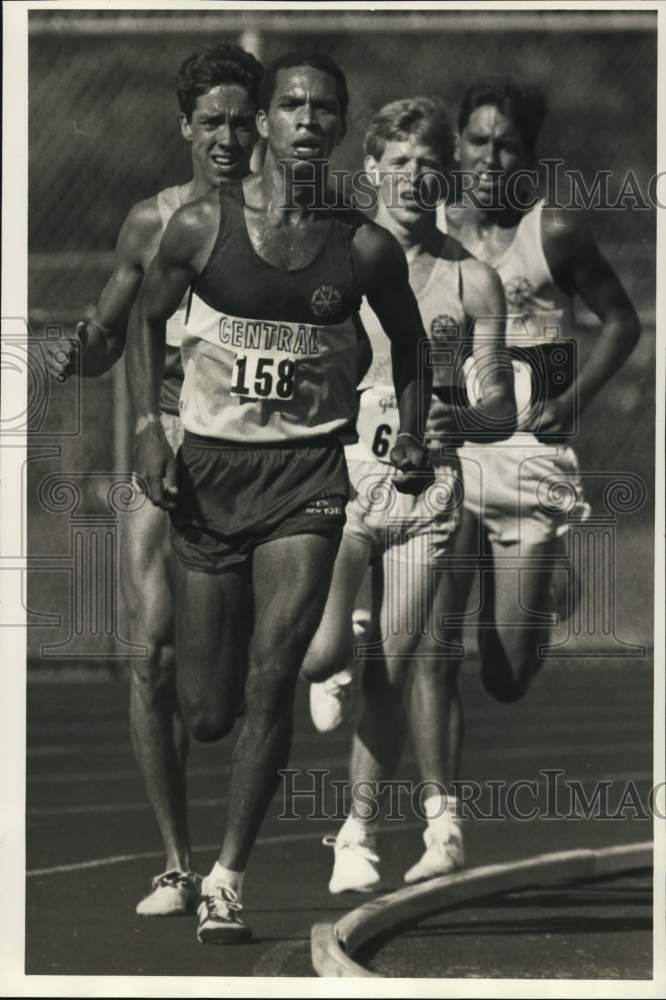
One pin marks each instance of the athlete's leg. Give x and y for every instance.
(515, 597)
(436, 713)
(213, 625)
(158, 735)
(332, 648)
(406, 597)
(291, 579)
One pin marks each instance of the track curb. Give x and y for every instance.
(333, 945)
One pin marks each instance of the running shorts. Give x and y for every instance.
(415, 529)
(524, 491)
(233, 497)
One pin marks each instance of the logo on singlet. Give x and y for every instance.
(444, 328)
(326, 301)
(519, 292)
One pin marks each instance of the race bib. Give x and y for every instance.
(257, 375)
(378, 420)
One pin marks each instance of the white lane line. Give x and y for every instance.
(119, 859)
(482, 754)
(95, 808)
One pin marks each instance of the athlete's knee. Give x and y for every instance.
(151, 619)
(437, 672)
(504, 689)
(507, 680)
(153, 677)
(325, 658)
(208, 724)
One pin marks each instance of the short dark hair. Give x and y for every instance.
(304, 57)
(213, 66)
(424, 117)
(524, 104)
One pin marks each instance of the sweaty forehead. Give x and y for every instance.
(225, 98)
(489, 120)
(408, 148)
(305, 80)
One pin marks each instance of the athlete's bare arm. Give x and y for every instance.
(579, 267)
(484, 303)
(381, 269)
(182, 255)
(99, 341)
(493, 418)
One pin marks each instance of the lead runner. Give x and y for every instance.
(277, 271)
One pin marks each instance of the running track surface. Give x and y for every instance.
(93, 846)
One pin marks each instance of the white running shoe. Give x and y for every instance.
(332, 700)
(356, 865)
(443, 855)
(173, 894)
(219, 917)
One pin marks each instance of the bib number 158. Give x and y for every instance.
(258, 377)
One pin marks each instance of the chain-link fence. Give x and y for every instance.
(104, 134)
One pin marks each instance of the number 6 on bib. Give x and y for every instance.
(262, 376)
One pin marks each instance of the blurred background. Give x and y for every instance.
(103, 128)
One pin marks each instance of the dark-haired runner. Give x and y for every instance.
(218, 94)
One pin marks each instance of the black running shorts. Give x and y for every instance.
(233, 497)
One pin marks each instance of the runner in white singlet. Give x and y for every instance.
(217, 92)
(526, 490)
(408, 540)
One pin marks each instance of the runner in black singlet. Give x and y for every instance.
(277, 270)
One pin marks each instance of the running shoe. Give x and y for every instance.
(356, 865)
(173, 894)
(219, 917)
(332, 700)
(443, 855)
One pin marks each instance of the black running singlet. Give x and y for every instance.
(272, 354)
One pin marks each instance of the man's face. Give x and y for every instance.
(222, 131)
(490, 148)
(408, 178)
(303, 122)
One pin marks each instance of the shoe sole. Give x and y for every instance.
(428, 878)
(355, 888)
(224, 935)
(188, 911)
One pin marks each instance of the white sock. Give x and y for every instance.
(441, 808)
(221, 876)
(357, 828)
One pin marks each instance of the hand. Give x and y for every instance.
(155, 465)
(64, 357)
(413, 461)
